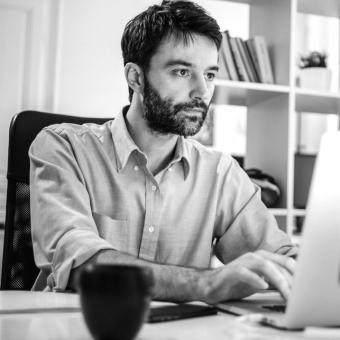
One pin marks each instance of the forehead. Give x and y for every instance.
(196, 49)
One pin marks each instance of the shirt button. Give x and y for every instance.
(153, 188)
(151, 229)
(136, 168)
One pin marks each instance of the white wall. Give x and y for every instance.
(89, 69)
(13, 29)
(90, 78)
(24, 42)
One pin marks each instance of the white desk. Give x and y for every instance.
(57, 316)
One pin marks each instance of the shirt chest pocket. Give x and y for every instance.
(113, 231)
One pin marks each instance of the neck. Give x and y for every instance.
(158, 148)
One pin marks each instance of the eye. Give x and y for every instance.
(182, 72)
(210, 76)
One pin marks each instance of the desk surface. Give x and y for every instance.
(57, 316)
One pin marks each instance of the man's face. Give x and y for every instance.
(179, 85)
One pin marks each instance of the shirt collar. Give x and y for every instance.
(123, 141)
(182, 153)
(125, 145)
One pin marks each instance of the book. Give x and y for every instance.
(251, 62)
(252, 52)
(228, 56)
(223, 72)
(261, 50)
(245, 60)
(241, 69)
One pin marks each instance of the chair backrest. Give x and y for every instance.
(18, 268)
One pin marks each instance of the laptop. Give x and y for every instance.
(315, 296)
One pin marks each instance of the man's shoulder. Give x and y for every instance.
(68, 129)
(74, 134)
(71, 130)
(198, 150)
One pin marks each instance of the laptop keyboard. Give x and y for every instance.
(275, 308)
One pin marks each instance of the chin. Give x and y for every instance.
(190, 131)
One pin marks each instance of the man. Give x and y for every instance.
(136, 190)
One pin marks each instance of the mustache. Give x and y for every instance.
(194, 104)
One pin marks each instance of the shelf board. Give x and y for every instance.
(299, 212)
(284, 212)
(296, 239)
(302, 154)
(248, 2)
(317, 101)
(328, 8)
(278, 211)
(245, 93)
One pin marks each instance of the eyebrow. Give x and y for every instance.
(185, 63)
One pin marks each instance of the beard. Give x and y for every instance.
(162, 116)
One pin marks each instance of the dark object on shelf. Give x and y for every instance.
(313, 59)
(270, 191)
(240, 160)
(303, 171)
(299, 221)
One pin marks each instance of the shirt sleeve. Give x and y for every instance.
(64, 233)
(244, 223)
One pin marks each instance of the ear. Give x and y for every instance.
(135, 77)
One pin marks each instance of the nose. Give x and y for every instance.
(200, 89)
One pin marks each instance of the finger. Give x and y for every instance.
(284, 261)
(287, 275)
(252, 279)
(245, 283)
(271, 273)
(230, 282)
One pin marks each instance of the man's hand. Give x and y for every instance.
(246, 275)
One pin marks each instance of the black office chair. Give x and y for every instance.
(18, 268)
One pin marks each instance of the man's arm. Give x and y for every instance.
(64, 233)
(244, 276)
(244, 223)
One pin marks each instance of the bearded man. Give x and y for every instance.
(137, 191)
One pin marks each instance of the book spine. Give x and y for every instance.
(245, 59)
(260, 60)
(263, 55)
(259, 67)
(251, 62)
(241, 70)
(229, 58)
(223, 72)
(252, 52)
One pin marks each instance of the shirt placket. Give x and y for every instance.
(150, 234)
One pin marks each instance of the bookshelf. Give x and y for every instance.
(271, 117)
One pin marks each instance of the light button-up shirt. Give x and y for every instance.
(91, 190)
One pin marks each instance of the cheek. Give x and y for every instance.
(211, 91)
(175, 91)
(211, 87)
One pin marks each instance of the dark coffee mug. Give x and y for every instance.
(115, 299)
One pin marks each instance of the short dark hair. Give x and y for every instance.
(143, 34)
